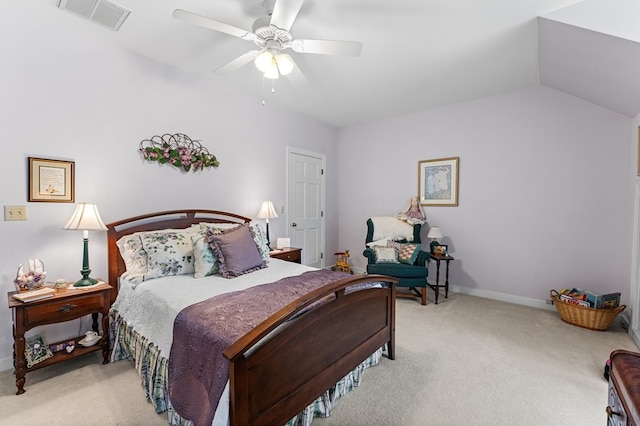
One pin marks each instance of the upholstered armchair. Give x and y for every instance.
(405, 261)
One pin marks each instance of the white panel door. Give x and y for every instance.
(305, 202)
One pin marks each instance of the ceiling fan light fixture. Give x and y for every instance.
(285, 63)
(272, 72)
(264, 61)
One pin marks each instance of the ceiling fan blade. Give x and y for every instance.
(327, 47)
(237, 63)
(202, 21)
(285, 12)
(298, 79)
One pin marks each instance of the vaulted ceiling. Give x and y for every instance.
(416, 54)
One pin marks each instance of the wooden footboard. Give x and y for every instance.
(281, 366)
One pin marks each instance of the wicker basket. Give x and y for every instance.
(591, 318)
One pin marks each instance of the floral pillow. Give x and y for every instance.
(236, 251)
(386, 254)
(168, 253)
(135, 258)
(260, 239)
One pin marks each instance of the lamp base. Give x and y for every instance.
(86, 282)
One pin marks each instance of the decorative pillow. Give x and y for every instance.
(407, 253)
(135, 258)
(260, 239)
(382, 243)
(168, 253)
(205, 226)
(236, 251)
(135, 249)
(204, 262)
(386, 254)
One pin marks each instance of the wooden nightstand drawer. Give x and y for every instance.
(289, 254)
(63, 310)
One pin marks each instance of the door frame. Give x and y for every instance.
(323, 158)
(634, 327)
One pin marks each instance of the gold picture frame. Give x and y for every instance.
(51, 180)
(438, 182)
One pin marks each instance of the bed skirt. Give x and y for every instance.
(153, 369)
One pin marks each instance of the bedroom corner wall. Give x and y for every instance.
(546, 191)
(71, 96)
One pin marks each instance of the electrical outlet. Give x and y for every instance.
(15, 212)
(549, 302)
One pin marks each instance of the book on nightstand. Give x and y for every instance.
(31, 296)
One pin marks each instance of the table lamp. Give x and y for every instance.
(267, 211)
(435, 233)
(86, 217)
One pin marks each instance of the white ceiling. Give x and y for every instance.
(416, 54)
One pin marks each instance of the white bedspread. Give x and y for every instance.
(151, 307)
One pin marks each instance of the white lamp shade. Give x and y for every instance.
(264, 61)
(285, 64)
(272, 72)
(86, 217)
(267, 211)
(435, 233)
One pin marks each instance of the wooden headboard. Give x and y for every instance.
(174, 219)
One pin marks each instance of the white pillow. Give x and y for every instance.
(391, 227)
(386, 254)
(381, 243)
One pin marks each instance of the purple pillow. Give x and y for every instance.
(236, 251)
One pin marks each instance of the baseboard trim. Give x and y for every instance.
(518, 300)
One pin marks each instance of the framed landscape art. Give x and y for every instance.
(438, 182)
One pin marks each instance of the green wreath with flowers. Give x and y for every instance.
(178, 150)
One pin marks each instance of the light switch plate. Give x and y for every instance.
(15, 213)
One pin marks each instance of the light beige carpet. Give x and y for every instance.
(465, 361)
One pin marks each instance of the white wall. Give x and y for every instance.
(546, 191)
(67, 95)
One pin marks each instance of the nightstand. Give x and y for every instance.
(290, 254)
(436, 287)
(65, 305)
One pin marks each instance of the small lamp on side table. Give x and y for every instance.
(435, 233)
(86, 217)
(267, 211)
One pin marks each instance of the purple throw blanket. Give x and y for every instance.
(198, 372)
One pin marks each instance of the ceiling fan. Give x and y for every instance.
(271, 34)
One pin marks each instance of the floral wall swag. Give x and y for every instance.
(178, 150)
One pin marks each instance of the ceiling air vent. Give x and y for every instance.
(100, 11)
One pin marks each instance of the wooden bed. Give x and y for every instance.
(331, 338)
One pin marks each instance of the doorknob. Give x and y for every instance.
(293, 224)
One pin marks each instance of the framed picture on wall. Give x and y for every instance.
(51, 180)
(438, 182)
